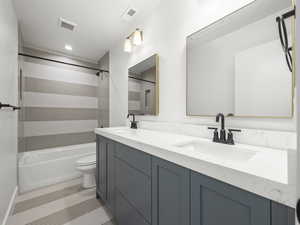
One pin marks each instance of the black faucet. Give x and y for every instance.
(222, 131)
(216, 134)
(230, 140)
(133, 123)
(222, 138)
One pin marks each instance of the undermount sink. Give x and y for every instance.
(218, 151)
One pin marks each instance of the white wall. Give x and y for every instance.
(8, 94)
(298, 98)
(165, 33)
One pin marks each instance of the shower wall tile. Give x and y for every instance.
(59, 87)
(51, 141)
(55, 73)
(41, 128)
(60, 102)
(58, 114)
(34, 99)
(134, 96)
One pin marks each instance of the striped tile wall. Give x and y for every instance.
(134, 96)
(60, 105)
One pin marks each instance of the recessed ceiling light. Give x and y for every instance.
(68, 47)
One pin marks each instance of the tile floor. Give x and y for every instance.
(61, 204)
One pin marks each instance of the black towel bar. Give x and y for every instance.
(9, 106)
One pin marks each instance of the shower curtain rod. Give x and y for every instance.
(70, 64)
(149, 81)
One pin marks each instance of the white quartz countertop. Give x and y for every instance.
(268, 172)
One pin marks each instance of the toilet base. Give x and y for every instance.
(88, 175)
(88, 180)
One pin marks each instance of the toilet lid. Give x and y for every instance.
(88, 160)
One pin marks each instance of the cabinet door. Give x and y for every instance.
(110, 175)
(282, 215)
(125, 213)
(135, 187)
(214, 202)
(102, 167)
(170, 193)
(135, 158)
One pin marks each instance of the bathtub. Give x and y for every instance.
(50, 166)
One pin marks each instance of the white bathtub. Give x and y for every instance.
(49, 166)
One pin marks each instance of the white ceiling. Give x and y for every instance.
(99, 24)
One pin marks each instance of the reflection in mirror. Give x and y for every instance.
(143, 87)
(237, 65)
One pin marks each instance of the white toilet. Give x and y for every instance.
(87, 166)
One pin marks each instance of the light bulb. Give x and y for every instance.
(137, 37)
(68, 47)
(127, 45)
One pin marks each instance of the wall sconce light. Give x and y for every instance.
(135, 38)
(127, 45)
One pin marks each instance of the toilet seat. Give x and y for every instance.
(86, 161)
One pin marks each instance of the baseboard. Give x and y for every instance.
(10, 206)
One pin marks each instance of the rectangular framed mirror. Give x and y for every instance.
(238, 65)
(143, 87)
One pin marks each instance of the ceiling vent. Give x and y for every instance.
(129, 14)
(65, 24)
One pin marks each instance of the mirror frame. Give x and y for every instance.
(156, 86)
(293, 33)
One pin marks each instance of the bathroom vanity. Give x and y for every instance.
(151, 177)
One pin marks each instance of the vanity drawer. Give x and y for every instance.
(137, 159)
(135, 187)
(125, 214)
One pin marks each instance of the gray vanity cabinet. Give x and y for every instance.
(140, 189)
(214, 202)
(105, 171)
(282, 215)
(110, 200)
(170, 193)
(133, 186)
(101, 172)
